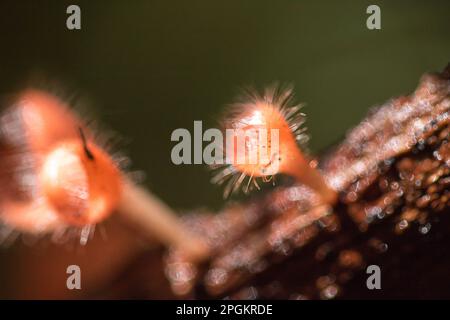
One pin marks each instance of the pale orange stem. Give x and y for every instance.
(153, 216)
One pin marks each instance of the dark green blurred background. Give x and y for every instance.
(149, 67)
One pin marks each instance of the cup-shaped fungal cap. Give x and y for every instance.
(53, 176)
(81, 182)
(264, 144)
(266, 132)
(267, 137)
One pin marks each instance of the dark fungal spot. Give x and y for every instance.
(85, 147)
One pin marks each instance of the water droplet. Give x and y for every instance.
(401, 226)
(330, 292)
(298, 296)
(216, 277)
(437, 155)
(395, 185)
(378, 245)
(425, 228)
